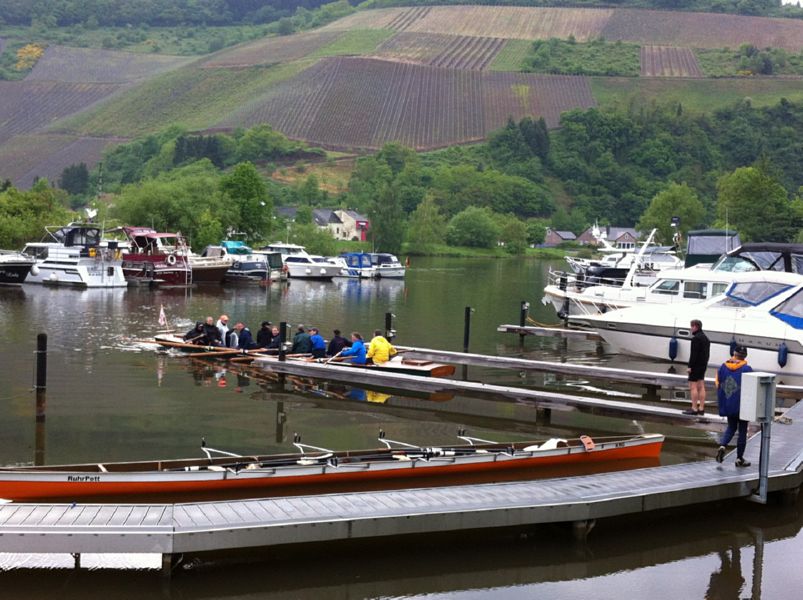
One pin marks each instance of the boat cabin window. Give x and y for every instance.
(78, 236)
(39, 252)
(667, 286)
(718, 288)
(297, 259)
(742, 295)
(695, 290)
(790, 311)
(735, 264)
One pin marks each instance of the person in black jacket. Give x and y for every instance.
(212, 333)
(698, 363)
(244, 339)
(265, 334)
(337, 343)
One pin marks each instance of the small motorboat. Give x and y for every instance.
(311, 467)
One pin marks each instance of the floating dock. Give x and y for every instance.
(190, 528)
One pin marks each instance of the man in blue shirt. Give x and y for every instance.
(318, 343)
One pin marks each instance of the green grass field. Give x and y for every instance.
(511, 57)
(696, 95)
(354, 43)
(191, 97)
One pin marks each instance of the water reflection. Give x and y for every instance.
(110, 399)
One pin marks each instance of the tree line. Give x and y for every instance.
(740, 166)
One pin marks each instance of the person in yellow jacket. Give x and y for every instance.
(380, 349)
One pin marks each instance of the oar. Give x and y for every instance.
(334, 357)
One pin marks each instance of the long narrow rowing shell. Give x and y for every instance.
(178, 343)
(264, 473)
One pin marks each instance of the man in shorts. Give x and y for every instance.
(698, 362)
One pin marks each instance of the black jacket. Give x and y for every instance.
(700, 351)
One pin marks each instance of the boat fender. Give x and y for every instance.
(783, 354)
(171, 259)
(673, 348)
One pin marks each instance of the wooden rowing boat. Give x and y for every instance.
(397, 364)
(221, 472)
(177, 343)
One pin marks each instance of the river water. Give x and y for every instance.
(111, 397)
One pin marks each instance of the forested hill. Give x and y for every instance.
(155, 13)
(171, 13)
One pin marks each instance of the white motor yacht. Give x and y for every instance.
(14, 267)
(302, 265)
(387, 265)
(76, 255)
(762, 310)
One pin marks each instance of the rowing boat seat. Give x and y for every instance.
(553, 444)
(416, 361)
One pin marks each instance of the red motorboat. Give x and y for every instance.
(156, 258)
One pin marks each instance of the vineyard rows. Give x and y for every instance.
(700, 30)
(683, 29)
(354, 103)
(273, 50)
(439, 50)
(469, 53)
(667, 61)
(30, 105)
(90, 65)
(408, 17)
(46, 155)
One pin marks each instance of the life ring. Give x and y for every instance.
(171, 259)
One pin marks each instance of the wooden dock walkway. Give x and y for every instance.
(172, 529)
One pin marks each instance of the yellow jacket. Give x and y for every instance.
(380, 350)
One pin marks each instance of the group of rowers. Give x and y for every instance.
(306, 342)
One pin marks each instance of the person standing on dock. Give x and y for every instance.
(729, 396)
(698, 363)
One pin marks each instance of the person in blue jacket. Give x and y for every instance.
(357, 350)
(245, 341)
(729, 396)
(318, 343)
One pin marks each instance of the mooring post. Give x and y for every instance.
(41, 376)
(282, 341)
(467, 328)
(523, 315)
(41, 399)
(390, 333)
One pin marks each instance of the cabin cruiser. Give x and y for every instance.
(357, 265)
(697, 281)
(761, 310)
(387, 265)
(15, 266)
(302, 265)
(76, 255)
(156, 258)
(247, 265)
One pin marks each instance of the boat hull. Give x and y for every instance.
(14, 273)
(87, 273)
(27, 485)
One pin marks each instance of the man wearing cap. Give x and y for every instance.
(729, 395)
(265, 334)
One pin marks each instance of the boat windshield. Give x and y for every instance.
(753, 293)
(790, 311)
(735, 264)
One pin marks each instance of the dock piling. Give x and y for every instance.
(467, 328)
(390, 333)
(282, 340)
(41, 399)
(524, 311)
